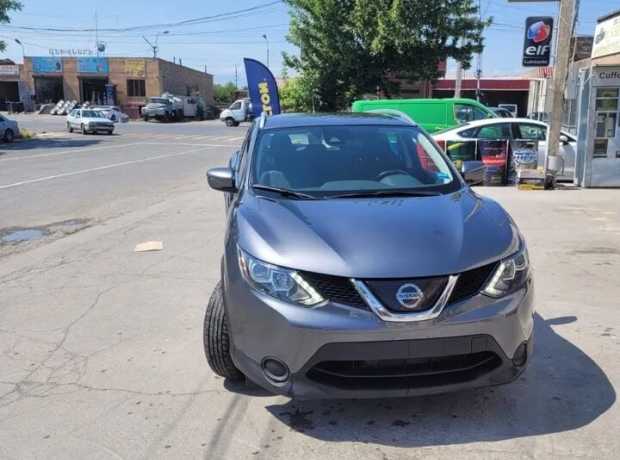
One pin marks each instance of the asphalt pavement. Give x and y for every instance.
(101, 347)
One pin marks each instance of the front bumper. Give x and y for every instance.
(337, 351)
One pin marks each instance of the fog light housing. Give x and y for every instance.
(520, 357)
(275, 370)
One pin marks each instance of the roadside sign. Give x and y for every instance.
(537, 41)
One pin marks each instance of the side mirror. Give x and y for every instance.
(222, 179)
(473, 172)
(563, 139)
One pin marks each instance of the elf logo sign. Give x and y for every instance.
(537, 43)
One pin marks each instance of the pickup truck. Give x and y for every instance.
(240, 110)
(161, 108)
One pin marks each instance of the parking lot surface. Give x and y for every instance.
(101, 347)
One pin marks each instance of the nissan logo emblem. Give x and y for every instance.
(409, 296)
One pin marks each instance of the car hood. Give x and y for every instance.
(376, 237)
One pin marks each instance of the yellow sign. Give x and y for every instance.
(265, 97)
(135, 68)
(607, 37)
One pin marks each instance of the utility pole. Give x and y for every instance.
(459, 79)
(560, 73)
(236, 78)
(267, 42)
(479, 60)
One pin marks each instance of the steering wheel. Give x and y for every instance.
(391, 172)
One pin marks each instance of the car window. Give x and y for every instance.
(235, 106)
(91, 114)
(340, 159)
(464, 113)
(494, 132)
(531, 132)
(468, 133)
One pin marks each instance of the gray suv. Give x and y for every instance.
(359, 263)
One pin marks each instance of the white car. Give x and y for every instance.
(89, 121)
(112, 112)
(8, 129)
(515, 130)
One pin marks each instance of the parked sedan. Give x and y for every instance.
(8, 129)
(523, 130)
(89, 121)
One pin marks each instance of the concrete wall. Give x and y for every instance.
(182, 80)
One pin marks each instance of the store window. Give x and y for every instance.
(136, 88)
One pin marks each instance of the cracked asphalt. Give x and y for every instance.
(101, 348)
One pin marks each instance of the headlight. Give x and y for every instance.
(278, 282)
(511, 274)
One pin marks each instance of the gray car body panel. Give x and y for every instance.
(377, 237)
(366, 238)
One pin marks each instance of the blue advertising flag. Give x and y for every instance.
(262, 87)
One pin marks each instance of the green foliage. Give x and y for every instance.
(296, 94)
(224, 94)
(351, 47)
(5, 7)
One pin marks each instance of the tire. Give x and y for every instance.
(83, 129)
(236, 123)
(230, 122)
(145, 118)
(69, 128)
(216, 338)
(9, 136)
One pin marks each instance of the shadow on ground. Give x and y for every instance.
(51, 143)
(563, 389)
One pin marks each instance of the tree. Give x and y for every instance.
(296, 94)
(224, 94)
(5, 7)
(352, 47)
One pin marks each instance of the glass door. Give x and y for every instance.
(606, 122)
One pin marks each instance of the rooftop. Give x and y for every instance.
(292, 120)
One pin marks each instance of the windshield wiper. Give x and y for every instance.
(284, 192)
(385, 193)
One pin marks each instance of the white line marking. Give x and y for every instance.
(100, 168)
(65, 152)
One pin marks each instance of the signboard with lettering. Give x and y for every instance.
(70, 52)
(537, 41)
(93, 65)
(46, 65)
(606, 76)
(607, 37)
(135, 68)
(9, 69)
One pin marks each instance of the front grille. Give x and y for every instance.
(404, 373)
(386, 291)
(471, 282)
(335, 288)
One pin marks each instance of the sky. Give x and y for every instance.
(221, 44)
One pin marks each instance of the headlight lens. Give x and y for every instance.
(510, 275)
(278, 282)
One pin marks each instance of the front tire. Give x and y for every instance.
(69, 128)
(83, 129)
(230, 122)
(9, 136)
(216, 338)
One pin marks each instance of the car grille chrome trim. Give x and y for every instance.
(386, 315)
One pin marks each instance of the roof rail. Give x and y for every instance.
(394, 114)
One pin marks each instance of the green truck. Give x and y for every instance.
(432, 114)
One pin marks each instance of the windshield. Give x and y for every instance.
(158, 100)
(91, 114)
(332, 160)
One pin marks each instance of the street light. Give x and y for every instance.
(18, 41)
(155, 46)
(267, 42)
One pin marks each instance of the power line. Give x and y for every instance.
(193, 21)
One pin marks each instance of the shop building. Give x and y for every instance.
(126, 82)
(597, 89)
